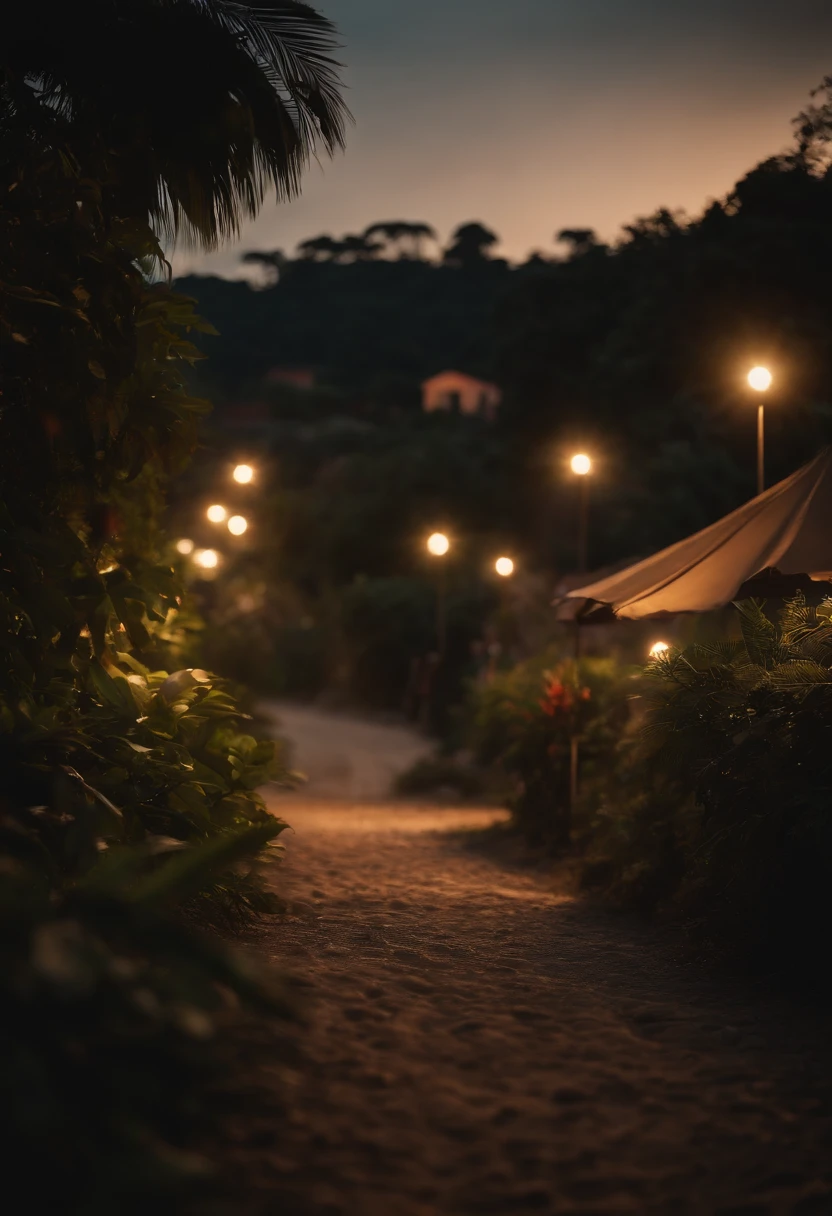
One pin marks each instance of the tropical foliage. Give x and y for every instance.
(719, 805)
(111, 1007)
(704, 779)
(129, 801)
(529, 721)
(240, 96)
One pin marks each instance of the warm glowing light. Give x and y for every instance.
(759, 378)
(504, 566)
(658, 649)
(209, 559)
(216, 513)
(580, 464)
(237, 525)
(184, 546)
(438, 544)
(243, 474)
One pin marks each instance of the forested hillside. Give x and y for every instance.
(636, 352)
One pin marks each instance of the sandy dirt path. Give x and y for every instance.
(480, 1041)
(342, 756)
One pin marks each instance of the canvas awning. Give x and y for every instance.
(764, 547)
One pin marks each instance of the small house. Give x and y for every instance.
(451, 390)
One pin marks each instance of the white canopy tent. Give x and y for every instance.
(770, 545)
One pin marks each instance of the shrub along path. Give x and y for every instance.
(480, 1041)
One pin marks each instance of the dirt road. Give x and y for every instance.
(482, 1042)
(342, 756)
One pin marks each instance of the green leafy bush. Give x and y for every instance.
(524, 723)
(110, 1006)
(146, 756)
(128, 803)
(720, 809)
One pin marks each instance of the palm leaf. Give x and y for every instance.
(800, 675)
(760, 635)
(725, 652)
(193, 109)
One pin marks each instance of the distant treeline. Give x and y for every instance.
(372, 313)
(639, 348)
(635, 351)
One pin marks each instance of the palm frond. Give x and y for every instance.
(193, 109)
(726, 652)
(800, 675)
(292, 44)
(761, 636)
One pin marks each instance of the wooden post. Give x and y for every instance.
(441, 611)
(574, 755)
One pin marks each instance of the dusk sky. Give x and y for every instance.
(541, 114)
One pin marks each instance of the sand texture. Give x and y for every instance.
(481, 1041)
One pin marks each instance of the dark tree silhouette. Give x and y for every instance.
(322, 248)
(358, 248)
(655, 228)
(578, 240)
(813, 130)
(405, 236)
(272, 263)
(470, 244)
(350, 248)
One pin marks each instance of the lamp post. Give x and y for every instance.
(504, 567)
(581, 466)
(759, 379)
(438, 546)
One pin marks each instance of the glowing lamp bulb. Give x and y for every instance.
(658, 649)
(504, 566)
(184, 546)
(580, 464)
(216, 513)
(438, 544)
(208, 559)
(243, 474)
(759, 378)
(237, 525)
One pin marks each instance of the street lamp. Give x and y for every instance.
(438, 546)
(759, 379)
(243, 474)
(216, 513)
(658, 649)
(504, 566)
(581, 465)
(237, 525)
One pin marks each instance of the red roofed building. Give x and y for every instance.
(452, 390)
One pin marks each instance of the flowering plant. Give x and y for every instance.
(525, 724)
